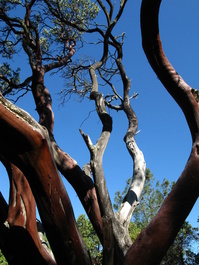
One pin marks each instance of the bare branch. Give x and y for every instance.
(108, 18)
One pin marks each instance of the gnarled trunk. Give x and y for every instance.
(26, 144)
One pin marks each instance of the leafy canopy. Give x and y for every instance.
(45, 30)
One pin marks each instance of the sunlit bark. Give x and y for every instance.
(131, 199)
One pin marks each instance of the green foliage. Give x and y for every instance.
(69, 19)
(152, 198)
(7, 5)
(9, 74)
(56, 22)
(2, 259)
(55, 27)
(119, 196)
(91, 239)
(134, 230)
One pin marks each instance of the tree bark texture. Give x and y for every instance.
(16, 243)
(22, 213)
(26, 144)
(82, 184)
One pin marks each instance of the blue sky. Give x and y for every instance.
(164, 136)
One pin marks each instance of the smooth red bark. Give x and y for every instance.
(82, 184)
(153, 242)
(27, 147)
(22, 212)
(16, 243)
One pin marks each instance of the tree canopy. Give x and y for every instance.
(46, 30)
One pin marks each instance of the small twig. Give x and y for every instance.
(87, 140)
(87, 117)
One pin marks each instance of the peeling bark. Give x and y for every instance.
(172, 81)
(139, 166)
(97, 153)
(131, 199)
(25, 143)
(22, 211)
(16, 243)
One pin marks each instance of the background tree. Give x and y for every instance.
(2, 259)
(90, 238)
(153, 195)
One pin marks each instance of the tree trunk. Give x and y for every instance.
(22, 213)
(26, 144)
(153, 242)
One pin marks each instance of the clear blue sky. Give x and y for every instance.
(164, 137)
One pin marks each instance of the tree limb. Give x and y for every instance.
(153, 242)
(26, 144)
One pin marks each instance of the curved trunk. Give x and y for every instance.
(153, 242)
(182, 93)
